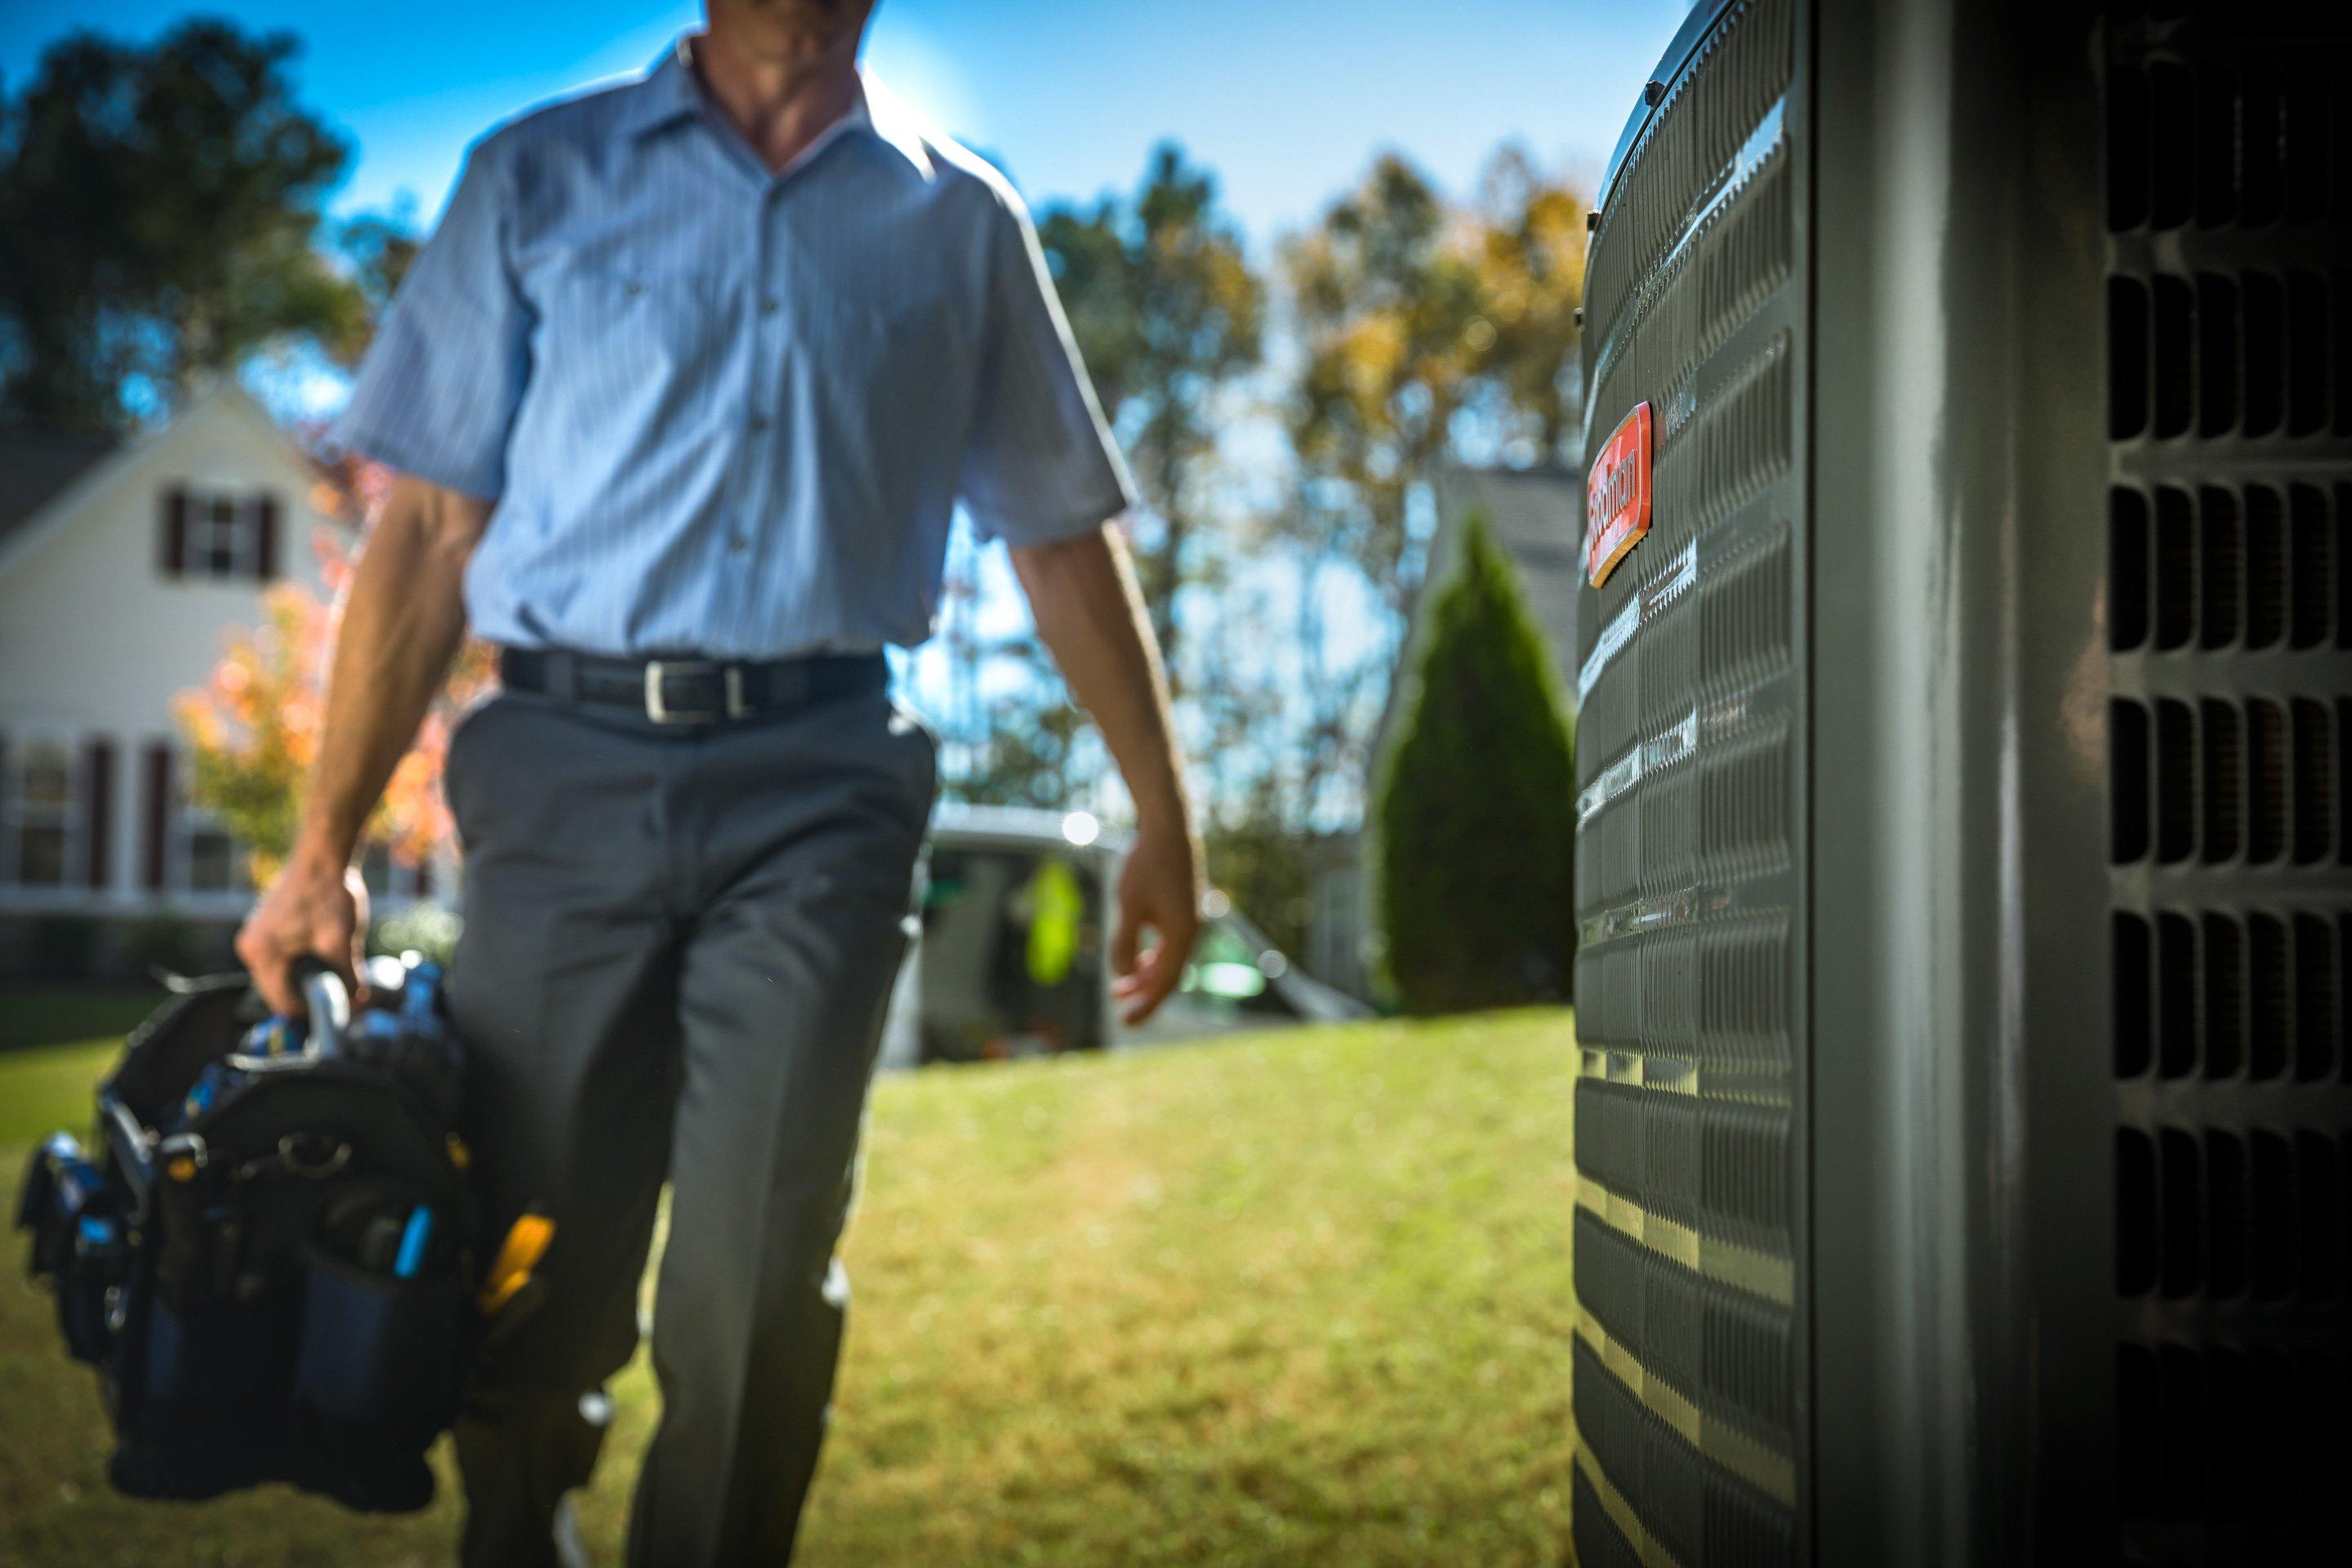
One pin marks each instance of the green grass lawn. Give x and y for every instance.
(1297, 1298)
(58, 1015)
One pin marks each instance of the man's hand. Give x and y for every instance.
(1159, 888)
(315, 909)
(401, 622)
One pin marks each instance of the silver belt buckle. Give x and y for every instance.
(730, 678)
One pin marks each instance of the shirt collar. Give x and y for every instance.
(668, 92)
(896, 125)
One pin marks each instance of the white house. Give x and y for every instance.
(124, 567)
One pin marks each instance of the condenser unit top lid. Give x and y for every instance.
(1705, 15)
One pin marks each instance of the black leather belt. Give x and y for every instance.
(692, 691)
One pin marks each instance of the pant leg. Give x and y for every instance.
(565, 989)
(811, 830)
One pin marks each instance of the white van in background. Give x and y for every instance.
(1013, 957)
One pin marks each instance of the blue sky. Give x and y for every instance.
(1287, 100)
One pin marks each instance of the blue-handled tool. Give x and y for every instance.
(420, 998)
(77, 1179)
(412, 1243)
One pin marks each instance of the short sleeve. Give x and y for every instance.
(1040, 463)
(438, 392)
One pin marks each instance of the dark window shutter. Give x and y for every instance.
(97, 811)
(5, 854)
(265, 537)
(172, 550)
(156, 862)
(425, 877)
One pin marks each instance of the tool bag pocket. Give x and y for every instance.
(79, 1247)
(377, 1380)
(204, 1407)
(88, 1282)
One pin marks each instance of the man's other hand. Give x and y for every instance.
(1160, 889)
(315, 909)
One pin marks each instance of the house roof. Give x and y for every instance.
(37, 465)
(43, 477)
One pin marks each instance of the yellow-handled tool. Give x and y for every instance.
(525, 1245)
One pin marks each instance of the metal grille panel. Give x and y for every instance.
(2229, 169)
(1689, 1384)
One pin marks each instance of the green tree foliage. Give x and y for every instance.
(1029, 749)
(1274, 739)
(1430, 332)
(379, 248)
(1269, 869)
(1529, 254)
(1386, 308)
(162, 218)
(1168, 314)
(1427, 329)
(1475, 810)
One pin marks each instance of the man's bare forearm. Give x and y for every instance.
(1083, 596)
(402, 623)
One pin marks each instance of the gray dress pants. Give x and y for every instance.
(680, 943)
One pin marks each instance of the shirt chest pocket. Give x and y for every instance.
(885, 377)
(636, 341)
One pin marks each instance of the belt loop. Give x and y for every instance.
(562, 675)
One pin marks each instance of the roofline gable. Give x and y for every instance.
(217, 392)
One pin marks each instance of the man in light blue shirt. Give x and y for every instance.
(682, 395)
(754, 396)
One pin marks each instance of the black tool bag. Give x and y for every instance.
(224, 1253)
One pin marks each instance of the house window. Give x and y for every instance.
(219, 535)
(216, 861)
(39, 812)
(211, 860)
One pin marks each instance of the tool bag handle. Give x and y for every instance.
(326, 999)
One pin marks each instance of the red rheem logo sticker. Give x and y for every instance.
(1617, 496)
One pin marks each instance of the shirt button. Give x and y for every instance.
(738, 542)
(759, 422)
(768, 305)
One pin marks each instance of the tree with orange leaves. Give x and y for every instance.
(253, 729)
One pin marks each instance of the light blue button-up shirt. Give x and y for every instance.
(725, 411)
